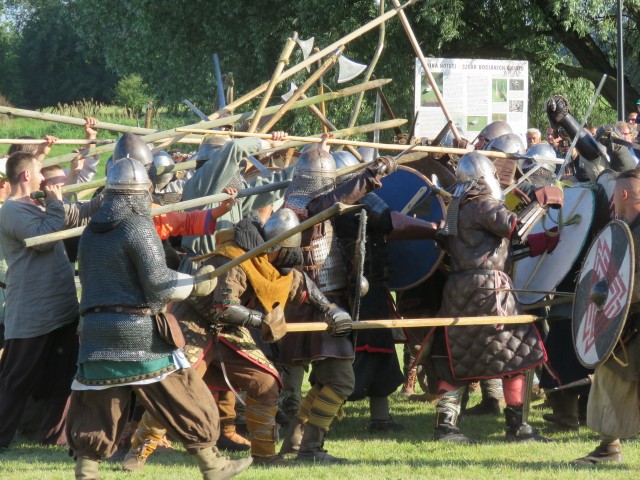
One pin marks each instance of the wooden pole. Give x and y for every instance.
(275, 78)
(61, 141)
(173, 207)
(322, 53)
(336, 209)
(223, 121)
(51, 117)
(300, 91)
(425, 67)
(417, 322)
(345, 132)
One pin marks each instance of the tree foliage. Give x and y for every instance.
(569, 44)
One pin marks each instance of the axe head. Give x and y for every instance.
(348, 69)
(285, 98)
(306, 46)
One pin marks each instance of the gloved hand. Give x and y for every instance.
(604, 135)
(240, 316)
(339, 322)
(203, 285)
(386, 165)
(543, 242)
(557, 109)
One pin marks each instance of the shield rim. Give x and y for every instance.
(621, 325)
(530, 299)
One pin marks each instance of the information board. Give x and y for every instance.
(476, 93)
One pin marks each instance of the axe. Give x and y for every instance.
(316, 76)
(306, 47)
(275, 78)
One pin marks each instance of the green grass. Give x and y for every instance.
(410, 454)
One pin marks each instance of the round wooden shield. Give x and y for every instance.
(603, 294)
(412, 261)
(545, 272)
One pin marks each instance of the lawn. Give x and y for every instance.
(410, 454)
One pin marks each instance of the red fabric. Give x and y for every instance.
(513, 389)
(444, 387)
(173, 224)
(543, 242)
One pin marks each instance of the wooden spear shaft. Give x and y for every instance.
(60, 141)
(341, 133)
(275, 78)
(425, 67)
(51, 117)
(174, 207)
(300, 91)
(417, 322)
(223, 121)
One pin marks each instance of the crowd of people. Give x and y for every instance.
(175, 338)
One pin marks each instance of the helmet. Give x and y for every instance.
(368, 154)
(448, 138)
(542, 149)
(127, 175)
(210, 144)
(161, 160)
(507, 143)
(132, 146)
(473, 166)
(315, 162)
(495, 129)
(345, 159)
(280, 222)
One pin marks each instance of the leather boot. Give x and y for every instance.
(261, 424)
(231, 440)
(87, 469)
(605, 452)
(565, 410)
(312, 447)
(490, 404)
(215, 466)
(517, 431)
(409, 386)
(144, 442)
(447, 426)
(293, 437)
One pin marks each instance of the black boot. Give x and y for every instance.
(565, 410)
(517, 431)
(606, 452)
(312, 447)
(491, 394)
(447, 426)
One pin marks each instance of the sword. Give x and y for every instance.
(522, 290)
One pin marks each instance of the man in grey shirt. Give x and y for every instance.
(41, 315)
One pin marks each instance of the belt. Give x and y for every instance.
(120, 309)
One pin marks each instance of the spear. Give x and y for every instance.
(52, 117)
(336, 209)
(224, 121)
(77, 141)
(79, 187)
(174, 207)
(417, 322)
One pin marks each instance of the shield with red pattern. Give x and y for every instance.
(603, 294)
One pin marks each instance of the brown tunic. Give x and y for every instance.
(479, 255)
